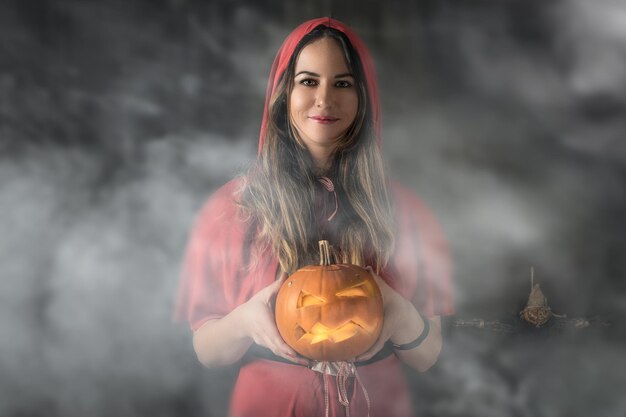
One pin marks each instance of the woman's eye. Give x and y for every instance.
(343, 84)
(308, 82)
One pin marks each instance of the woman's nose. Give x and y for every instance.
(324, 97)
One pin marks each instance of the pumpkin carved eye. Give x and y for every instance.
(307, 299)
(362, 289)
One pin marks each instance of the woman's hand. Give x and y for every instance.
(260, 325)
(397, 310)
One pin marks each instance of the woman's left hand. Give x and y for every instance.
(396, 310)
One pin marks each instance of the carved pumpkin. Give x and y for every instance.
(329, 312)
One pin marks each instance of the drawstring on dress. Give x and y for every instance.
(342, 371)
(330, 187)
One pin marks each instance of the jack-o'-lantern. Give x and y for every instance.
(329, 312)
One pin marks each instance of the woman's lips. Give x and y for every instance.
(324, 119)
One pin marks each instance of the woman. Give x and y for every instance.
(319, 174)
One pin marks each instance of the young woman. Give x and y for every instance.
(319, 175)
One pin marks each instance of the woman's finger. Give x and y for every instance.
(275, 286)
(267, 294)
(293, 357)
(381, 282)
(280, 348)
(270, 338)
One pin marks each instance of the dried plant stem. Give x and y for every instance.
(514, 325)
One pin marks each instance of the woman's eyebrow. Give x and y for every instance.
(346, 74)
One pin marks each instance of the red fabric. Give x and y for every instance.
(216, 275)
(287, 49)
(421, 258)
(297, 391)
(216, 279)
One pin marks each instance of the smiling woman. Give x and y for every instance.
(318, 176)
(323, 101)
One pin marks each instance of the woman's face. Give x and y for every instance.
(324, 101)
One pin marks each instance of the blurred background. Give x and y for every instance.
(118, 119)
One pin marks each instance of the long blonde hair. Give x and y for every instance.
(278, 193)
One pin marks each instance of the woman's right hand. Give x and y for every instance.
(260, 324)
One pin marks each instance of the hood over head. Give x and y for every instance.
(286, 51)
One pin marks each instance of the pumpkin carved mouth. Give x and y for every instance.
(319, 332)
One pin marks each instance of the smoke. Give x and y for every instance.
(481, 374)
(516, 144)
(515, 157)
(596, 40)
(89, 276)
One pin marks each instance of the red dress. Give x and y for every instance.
(221, 271)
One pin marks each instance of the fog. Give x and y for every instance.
(117, 121)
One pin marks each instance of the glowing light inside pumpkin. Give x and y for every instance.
(320, 332)
(306, 300)
(362, 289)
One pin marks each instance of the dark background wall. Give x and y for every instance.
(117, 120)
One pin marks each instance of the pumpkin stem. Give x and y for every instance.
(324, 253)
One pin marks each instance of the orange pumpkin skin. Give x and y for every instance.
(330, 312)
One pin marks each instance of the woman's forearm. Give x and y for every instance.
(222, 341)
(425, 355)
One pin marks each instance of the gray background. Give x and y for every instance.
(118, 119)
